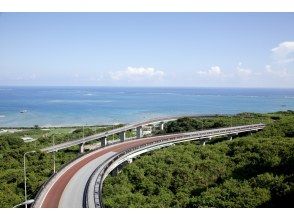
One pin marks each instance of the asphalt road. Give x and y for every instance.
(66, 189)
(72, 195)
(57, 195)
(107, 133)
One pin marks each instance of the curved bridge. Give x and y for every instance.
(121, 131)
(79, 184)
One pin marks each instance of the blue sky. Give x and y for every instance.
(147, 49)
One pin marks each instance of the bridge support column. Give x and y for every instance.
(231, 138)
(103, 141)
(205, 140)
(122, 136)
(139, 132)
(130, 160)
(161, 125)
(115, 171)
(82, 149)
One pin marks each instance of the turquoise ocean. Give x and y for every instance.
(67, 106)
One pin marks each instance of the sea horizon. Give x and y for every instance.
(163, 87)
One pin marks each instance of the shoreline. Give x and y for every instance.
(108, 125)
(55, 126)
(60, 108)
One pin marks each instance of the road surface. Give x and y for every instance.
(51, 197)
(66, 189)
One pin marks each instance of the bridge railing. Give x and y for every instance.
(103, 168)
(45, 184)
(117, 130)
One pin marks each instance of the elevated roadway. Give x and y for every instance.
(121, 131)
(79, 184)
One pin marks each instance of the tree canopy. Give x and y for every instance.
(250, 171)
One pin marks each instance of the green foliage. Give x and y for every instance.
(10, 142)
(232, 194)
(39, 165)
(199, 123)
(39, 168)
(36, 127)
(250, 171)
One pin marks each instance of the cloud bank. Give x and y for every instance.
(243, 72)
(284, 52)
(212, 71)
(137, 73)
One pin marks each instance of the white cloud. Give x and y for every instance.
(268, 69)
(137, 73)
(284, 52)
(215, 70)
(212, 71)
(276, 71)
(243, 72)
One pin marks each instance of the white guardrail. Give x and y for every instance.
(116, 131)
(93, 190)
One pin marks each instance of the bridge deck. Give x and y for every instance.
(51, 195)
(114, 131)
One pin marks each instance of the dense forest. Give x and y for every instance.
(253, 170)
(158, 179)
(39, 165)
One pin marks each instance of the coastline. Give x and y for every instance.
(113, 124)
(56, 126)
(58, 107)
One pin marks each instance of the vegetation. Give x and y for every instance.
(39, 165)
(250, 171)
(217, 121)
(220, 174)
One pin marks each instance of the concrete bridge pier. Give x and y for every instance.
(205, 140)
(103, 141)
(161, 126)
(122, 136)
(139, 132)
(115, 171)
(231, 138)
(82, 148)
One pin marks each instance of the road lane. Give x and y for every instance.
(78, 182)
(110, 132)
(52, 197)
